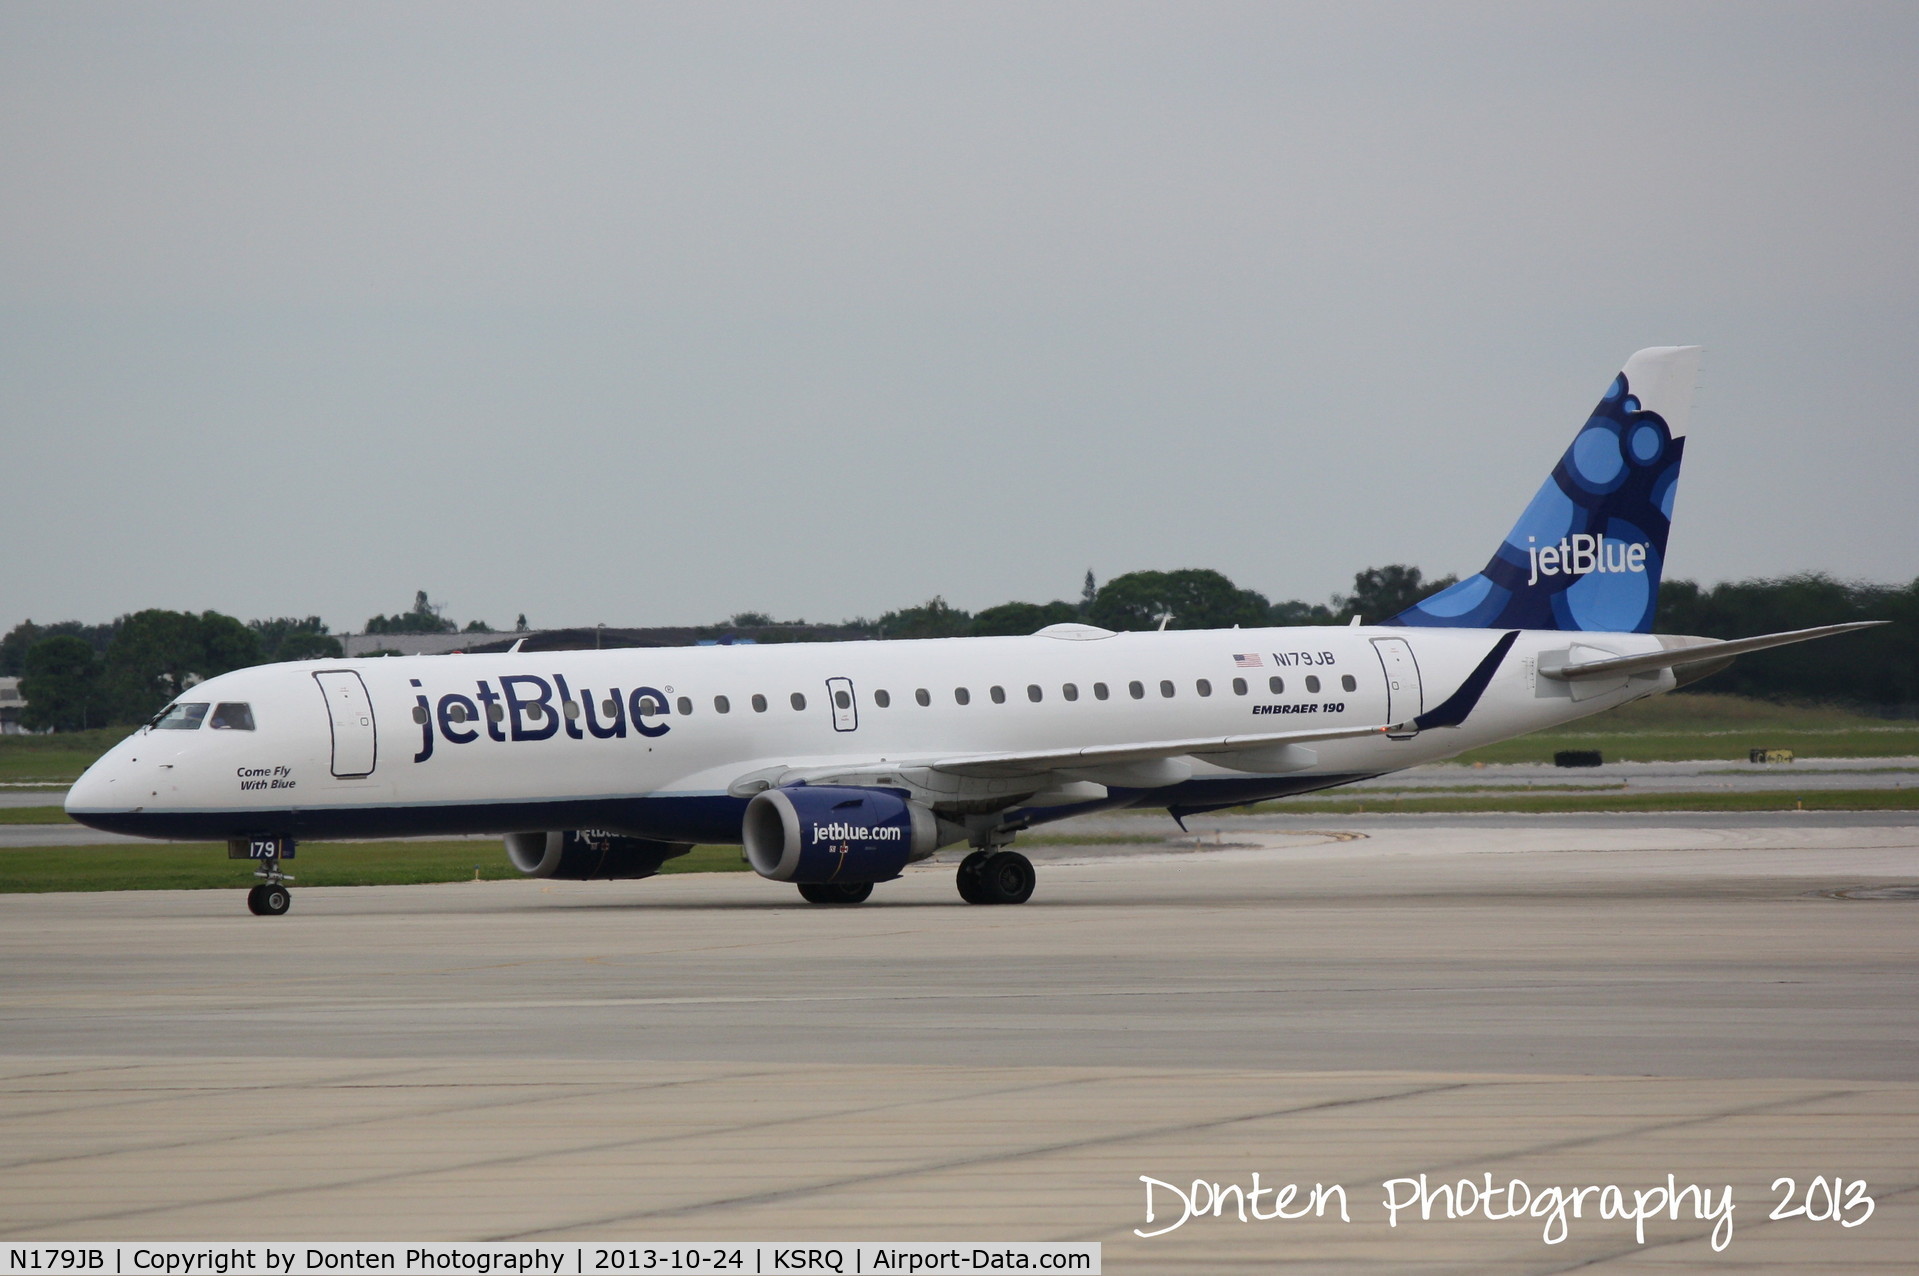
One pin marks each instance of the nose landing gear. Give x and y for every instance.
(270, 898)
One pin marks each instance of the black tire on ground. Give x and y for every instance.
(253, 902)
(1007, 877)
(968, 877)
(274, 900)
(835, 892)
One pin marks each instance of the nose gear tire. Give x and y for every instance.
(270, 900)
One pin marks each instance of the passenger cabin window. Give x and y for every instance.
(1033, 692)
(1166, 688)
(842, 700)
(883, 698)
(722, 705)
(239, 717)
(998, 694)
(759, 703)
(798, 702)
(1099, 691)
(1239, 686)
(1276, 685)
(572, 708)
(181, 717)
(923, 696)
(1312, 683)
(1349, 682)
(1069, 691)
(684, 705)
(1204, 687)
(652, 704)
(1137, 690)
(419, 715)
(962, 696)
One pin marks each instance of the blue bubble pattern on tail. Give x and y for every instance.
(1588, 551)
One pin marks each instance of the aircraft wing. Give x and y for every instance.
(1011, 772)
(1568, 670)
(1041, 761)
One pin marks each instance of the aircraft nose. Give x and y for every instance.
(95, 789)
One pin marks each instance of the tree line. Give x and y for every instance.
(75, 676)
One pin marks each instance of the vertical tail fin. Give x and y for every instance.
(1588, 551)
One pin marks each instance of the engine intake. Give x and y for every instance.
(579, 855)
(826, 833)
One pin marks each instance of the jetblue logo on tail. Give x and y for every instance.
(1582, 554)
(1588, 551)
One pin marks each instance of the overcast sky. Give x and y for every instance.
(651, 314)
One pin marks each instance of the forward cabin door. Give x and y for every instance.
(1404, 699)
(351, 713)
(846, 710)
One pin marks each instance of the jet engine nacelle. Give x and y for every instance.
(828, 833)
(578, 855)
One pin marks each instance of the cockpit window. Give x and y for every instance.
(181, 717)
(232, 717)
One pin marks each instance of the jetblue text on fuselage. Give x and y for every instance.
(524, 709)
(1583, 555)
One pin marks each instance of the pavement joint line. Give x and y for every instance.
(548, 1154)
(938, 1167)
(149, 1094)
(605, 1089)
(1337, 990)
(62, 1072)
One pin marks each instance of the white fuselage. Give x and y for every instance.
(655, 741)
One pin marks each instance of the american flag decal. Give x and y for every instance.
(1246, 662)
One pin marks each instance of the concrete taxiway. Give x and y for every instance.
(703, 1057)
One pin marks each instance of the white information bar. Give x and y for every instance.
(476, 1258)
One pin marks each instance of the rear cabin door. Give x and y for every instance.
(1404, 699)
(351, 713)
(846, 710)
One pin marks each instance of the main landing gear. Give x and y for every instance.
(835, 892)
(996, 877)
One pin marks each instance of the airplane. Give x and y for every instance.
(835, 765)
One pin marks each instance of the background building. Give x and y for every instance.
(11, 702)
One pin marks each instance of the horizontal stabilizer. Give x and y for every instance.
(1620, 666)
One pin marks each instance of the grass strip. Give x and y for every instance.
(34, 815)
(1564, 804)
(1703, 746)
(1541, 787)
(205, 866)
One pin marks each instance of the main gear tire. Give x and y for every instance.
(835, 892)
(1007, 877)
(968, 878)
